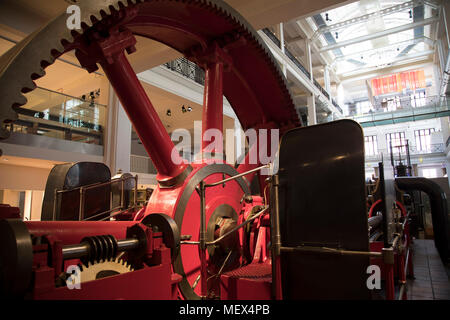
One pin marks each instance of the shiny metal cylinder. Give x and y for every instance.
(76, 251)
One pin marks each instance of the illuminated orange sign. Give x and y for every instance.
(397, 82)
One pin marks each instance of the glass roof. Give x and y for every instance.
(342, 26)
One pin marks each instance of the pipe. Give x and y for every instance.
(439, 209)
(375, 221)
(375, 236)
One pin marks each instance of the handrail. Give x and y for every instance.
(404, 104)
(68, 95)
(82, 190)
(236, 176)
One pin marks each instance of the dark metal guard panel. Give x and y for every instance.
(322, 202)
(439, 210)
(69, 176)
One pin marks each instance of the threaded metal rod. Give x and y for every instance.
(76, 251)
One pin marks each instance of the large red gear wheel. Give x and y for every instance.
(201, 30)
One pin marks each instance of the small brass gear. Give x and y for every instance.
(103, 269)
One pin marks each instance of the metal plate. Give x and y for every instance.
(322, 203)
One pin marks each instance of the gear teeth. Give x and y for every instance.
(20, 101)
(59, 47)
(38, 74)
(28, 86)
(97, 16)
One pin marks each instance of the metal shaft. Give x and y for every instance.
(276, 242)
(76, 251)
(202, 239)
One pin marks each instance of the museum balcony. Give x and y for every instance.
(55, 122)
(431, 150)
(392, 111)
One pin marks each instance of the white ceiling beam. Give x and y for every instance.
(366, 17)
(365, 52)
(397, 62)
(379, 34)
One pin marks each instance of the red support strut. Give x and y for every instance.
(213, 100)
(146, 121)
(109, 52)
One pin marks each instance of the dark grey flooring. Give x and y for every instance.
(432, 280)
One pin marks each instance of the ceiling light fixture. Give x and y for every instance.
(168, 113)
(183, 109)
(189, 109)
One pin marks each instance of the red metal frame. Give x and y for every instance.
(131, 285)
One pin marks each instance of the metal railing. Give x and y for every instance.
(188, 69)
(61, 116)
(413, 150)
(141, 164)
(402, 110)
(277, 42)
(115, 211)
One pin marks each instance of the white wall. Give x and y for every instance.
(22, 178)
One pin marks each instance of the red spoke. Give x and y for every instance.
(213, 100)
(145, 119)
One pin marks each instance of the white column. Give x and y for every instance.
(239, 136)
(118, 137)
(312, 118)
(309, 58)
(326, 77)
(340, 94)
(283, 48)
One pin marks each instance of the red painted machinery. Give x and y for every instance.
(203, 233)
(238, 65)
